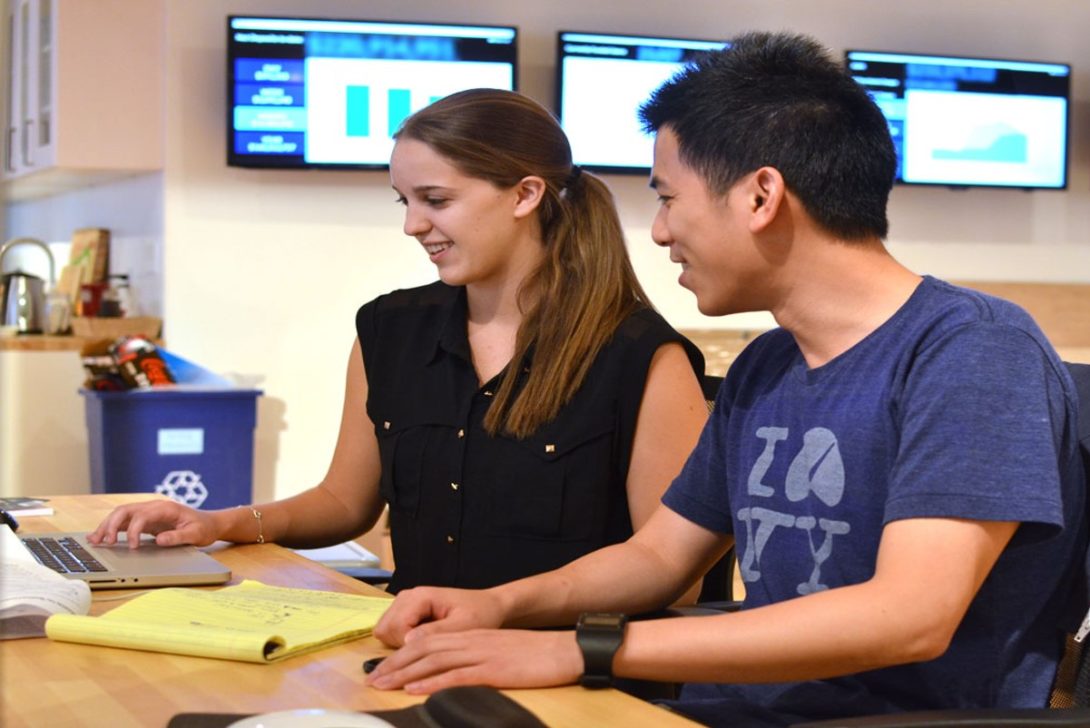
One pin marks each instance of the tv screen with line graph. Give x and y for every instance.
(323, 93)
(971, 122)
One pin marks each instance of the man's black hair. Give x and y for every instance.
(779, 100)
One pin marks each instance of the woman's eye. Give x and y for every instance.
(435, 201)
(400, 200)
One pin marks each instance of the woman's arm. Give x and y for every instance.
(672, 413)
(346, 502)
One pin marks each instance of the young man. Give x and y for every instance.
(897, 464)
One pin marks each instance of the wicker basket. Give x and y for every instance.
(111, 328)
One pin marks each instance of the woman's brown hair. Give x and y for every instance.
(585, 286)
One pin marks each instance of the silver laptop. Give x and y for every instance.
(118, 566)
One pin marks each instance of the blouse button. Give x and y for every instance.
(550, 448)
(386, 425)
(450, 539)
(454, 486)
(461, 434)
(488, 393)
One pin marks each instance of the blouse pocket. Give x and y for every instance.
(401, 452)
(554, 484)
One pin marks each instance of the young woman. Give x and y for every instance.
(526, 409)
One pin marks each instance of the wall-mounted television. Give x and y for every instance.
(971, 122)
(602, 80)
(322, 93)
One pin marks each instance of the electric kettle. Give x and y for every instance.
(23, 298)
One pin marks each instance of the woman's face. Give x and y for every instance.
(470, 229)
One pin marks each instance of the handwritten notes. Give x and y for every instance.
(249, 622)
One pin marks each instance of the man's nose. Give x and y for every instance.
(659, 232)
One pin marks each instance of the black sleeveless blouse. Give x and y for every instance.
(471, 510)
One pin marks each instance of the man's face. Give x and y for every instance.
(706, 233)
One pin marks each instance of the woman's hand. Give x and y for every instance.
(172, 524)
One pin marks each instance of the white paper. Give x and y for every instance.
(30, 592)
(345, 554)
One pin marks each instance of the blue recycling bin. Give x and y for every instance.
(193, 445)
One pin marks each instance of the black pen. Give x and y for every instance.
(370, 665)
(9, 520)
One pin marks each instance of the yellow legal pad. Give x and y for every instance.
(250, 622)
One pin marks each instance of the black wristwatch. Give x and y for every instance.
(599, 636)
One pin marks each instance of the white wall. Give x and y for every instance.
(130, 208)
(264, 270)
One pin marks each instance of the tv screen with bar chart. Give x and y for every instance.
(971, 122)
(323, 93)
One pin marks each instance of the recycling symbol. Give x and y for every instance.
(183, 486)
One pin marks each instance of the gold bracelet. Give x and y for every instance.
(260, 530)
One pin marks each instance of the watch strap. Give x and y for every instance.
(599, 636)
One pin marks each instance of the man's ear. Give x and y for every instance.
(529, 192)
(766, 191)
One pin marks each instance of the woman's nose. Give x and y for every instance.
(415, 223)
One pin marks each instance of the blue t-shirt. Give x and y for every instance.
(955, 407)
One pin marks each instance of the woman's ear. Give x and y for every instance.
(529, 191)
(766, 195)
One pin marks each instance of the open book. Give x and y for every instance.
(30, 592)
(249, 622)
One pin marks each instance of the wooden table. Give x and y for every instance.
(46, 683)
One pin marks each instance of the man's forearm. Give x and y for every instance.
(907, 612)
(627, 577)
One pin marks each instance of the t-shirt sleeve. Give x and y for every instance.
(982, 418)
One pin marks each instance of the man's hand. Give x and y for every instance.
(424, 611)
(501, 658)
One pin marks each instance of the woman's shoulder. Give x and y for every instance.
(409, 313)
(437, 294)
(405, 305)
(644, 330)
(646, 324)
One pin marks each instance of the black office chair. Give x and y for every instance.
(1069, 704)
(717, 591)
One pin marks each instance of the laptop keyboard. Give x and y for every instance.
(63, 555)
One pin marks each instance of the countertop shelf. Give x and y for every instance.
(42, 342)
(85, 330)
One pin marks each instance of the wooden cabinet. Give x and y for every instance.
(83, 92)
(43, 430)
(28, 133)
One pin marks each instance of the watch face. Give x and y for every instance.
(602, 620)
